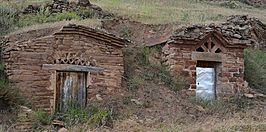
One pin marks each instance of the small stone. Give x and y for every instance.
(98, 97)
(245, 84)
(197, 30)
(260, 95)
(58, 123)
(136, 102)
(200, 108)
(237, 36)
(63, 130)
(249, 95)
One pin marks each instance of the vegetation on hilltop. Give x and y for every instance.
(183, 11)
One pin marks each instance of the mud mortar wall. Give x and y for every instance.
(24, 60)
(230, 72)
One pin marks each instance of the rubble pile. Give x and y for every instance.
(239, 27)
(59, 6)
(256, 2)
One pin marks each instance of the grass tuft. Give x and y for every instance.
(255, 69)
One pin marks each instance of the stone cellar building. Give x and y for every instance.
(52, 66)
(210, 57)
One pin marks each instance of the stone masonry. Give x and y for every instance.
(217, 46)
(25, 58)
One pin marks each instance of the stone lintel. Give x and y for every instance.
(71, 68)
(207, 56)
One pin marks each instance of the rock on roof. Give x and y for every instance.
(237, 27)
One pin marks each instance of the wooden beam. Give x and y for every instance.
(72, 68)
(207, 56)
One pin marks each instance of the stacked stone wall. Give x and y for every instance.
(230, 72)
(24, 61)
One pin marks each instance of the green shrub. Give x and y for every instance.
(142, 56)
(7, 19)
(141, 66)
(85, 13)
(240, 103)
(74, 114)
(134, 83)
(31, 19)
(43, 16)
(41, 119)
(126, 32)
(100, 116)
(9, 95)
(255, 69)
(63, 16)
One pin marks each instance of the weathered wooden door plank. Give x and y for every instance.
(70, 86)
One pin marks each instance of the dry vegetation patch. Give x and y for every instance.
(184, 11)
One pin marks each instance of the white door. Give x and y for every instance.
(205, 83)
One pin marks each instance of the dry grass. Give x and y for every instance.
(20, 4)
(248, 121)
(164, 11)
(184, 11)
(93, 23)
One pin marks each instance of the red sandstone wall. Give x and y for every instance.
(24, 62)
(230, 72)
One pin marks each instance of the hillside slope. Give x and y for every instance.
(183, 11)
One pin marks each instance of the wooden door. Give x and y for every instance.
(70, 87)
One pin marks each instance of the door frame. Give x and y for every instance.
(58, 91)
(54, 68)
(210, 64)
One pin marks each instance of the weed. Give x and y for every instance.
(100, 117)
(41, 118)
(142, 56)
(126, 32)
(43, 16)
(7, 19)
(85, 13)
(147, 104)
(75, 114)
(240, 103)
(149, 69)
(134, 83)
(30, 19)
(64, 16)
(255, 69)
(9, 95)
(233, 104)
(209, 105)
